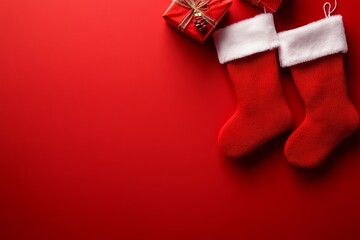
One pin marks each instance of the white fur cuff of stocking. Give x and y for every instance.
(246, 38)
(315, 40)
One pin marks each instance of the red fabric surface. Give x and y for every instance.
(215, 9)
(330, 115)
(261, 112)
(108, 130)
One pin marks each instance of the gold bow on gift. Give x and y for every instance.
(197, 9)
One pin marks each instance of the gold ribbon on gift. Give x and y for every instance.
(197, 8)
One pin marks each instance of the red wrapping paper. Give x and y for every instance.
(216, 9)
(270, 5)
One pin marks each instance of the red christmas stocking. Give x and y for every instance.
(247, 48)
(314, 53)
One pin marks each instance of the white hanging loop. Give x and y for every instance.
(265, 10)
(327, 8)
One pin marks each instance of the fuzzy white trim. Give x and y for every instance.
(312, 41)
(246, 38)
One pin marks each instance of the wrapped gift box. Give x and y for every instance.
(270, 5)
(196, 18)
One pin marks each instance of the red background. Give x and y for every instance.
(108, 130)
